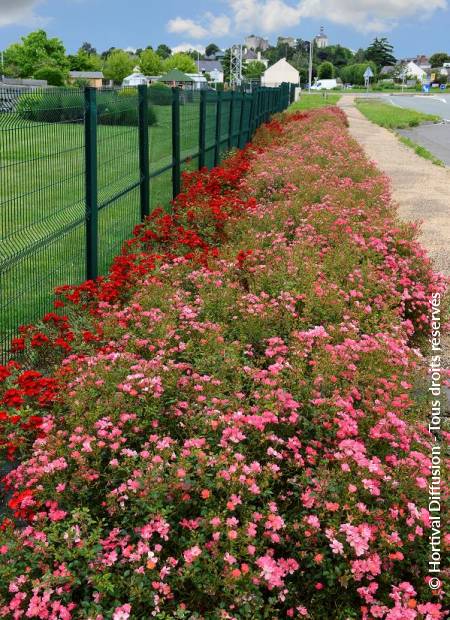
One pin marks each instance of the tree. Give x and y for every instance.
(36, 51)
(360, 55)
(254, 69)
(326, 70)
(118, 65)
(53, 75)
(438, 59)
(226, 65)
(211, 49)
(354, 74)
(88, 49)
(82, 61)
(104, 55)
(180, 61)
(338, 55)
(151, 63)
(380, 52)
(163, 50)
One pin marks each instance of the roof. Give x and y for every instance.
(87, 75)
(387, 69)
(250, 55)
(175, 75)
(209, 65)
(279, 65)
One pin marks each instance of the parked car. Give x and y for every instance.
(324, 85)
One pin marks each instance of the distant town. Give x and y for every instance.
(38, 60)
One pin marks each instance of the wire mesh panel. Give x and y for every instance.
(118, 174)
(160, 144)
(225, 124)
(210, 128)
(41, 200)
(189, 125)
(79, 168)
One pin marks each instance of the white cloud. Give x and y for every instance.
(371, 15)
(274, 16)
(20, 12)
(187, 47)
(186, 26)
(209, 25)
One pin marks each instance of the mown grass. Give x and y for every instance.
(392, 117)
(421, 151)
(314, 100)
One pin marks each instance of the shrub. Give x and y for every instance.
(354, 74)
(160, 94)
(326, 71)
(238, 430)
(53, 75)
(57, 106)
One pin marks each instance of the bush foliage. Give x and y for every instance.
(237, 429)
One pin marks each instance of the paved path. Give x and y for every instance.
(419, 188)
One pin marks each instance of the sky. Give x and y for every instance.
(412, 26)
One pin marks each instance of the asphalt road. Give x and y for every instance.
(434, 137)
(429, 104)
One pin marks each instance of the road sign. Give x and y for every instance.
(443, 86)
(368, 73)
(426, 88)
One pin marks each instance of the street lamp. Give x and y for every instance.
(311, 43)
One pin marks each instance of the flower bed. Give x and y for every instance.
(237, 429)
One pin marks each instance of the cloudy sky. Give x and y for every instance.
(413, 26)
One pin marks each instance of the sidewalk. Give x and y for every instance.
(419, 188)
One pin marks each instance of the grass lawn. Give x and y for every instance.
(42, 201)
(314, 100)
(390, 116)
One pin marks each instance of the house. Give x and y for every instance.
(413, 71)
(321, 39)
(257, 43)
(289, 41)
(93, 78)
(175, 77)
(199, 81)
(135, 79)
(20, 82)
(213, 68)
(250, 55)
(387, 71)
(280, 72)
(219, 55)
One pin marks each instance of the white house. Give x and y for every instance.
(199, 81)
(280, 72)
(135, 79)
(412, 71)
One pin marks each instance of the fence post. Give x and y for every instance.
(176, 151)
(202, 131)
(144, 163)
(241, 122)
(218, 128)
(90, 136)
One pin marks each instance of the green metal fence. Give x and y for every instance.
(80, 168)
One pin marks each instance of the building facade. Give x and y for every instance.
(253, 42)
(321, 39)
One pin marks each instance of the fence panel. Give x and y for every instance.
(79, 168)
(42, 201)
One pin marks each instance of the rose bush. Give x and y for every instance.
(232, 423)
